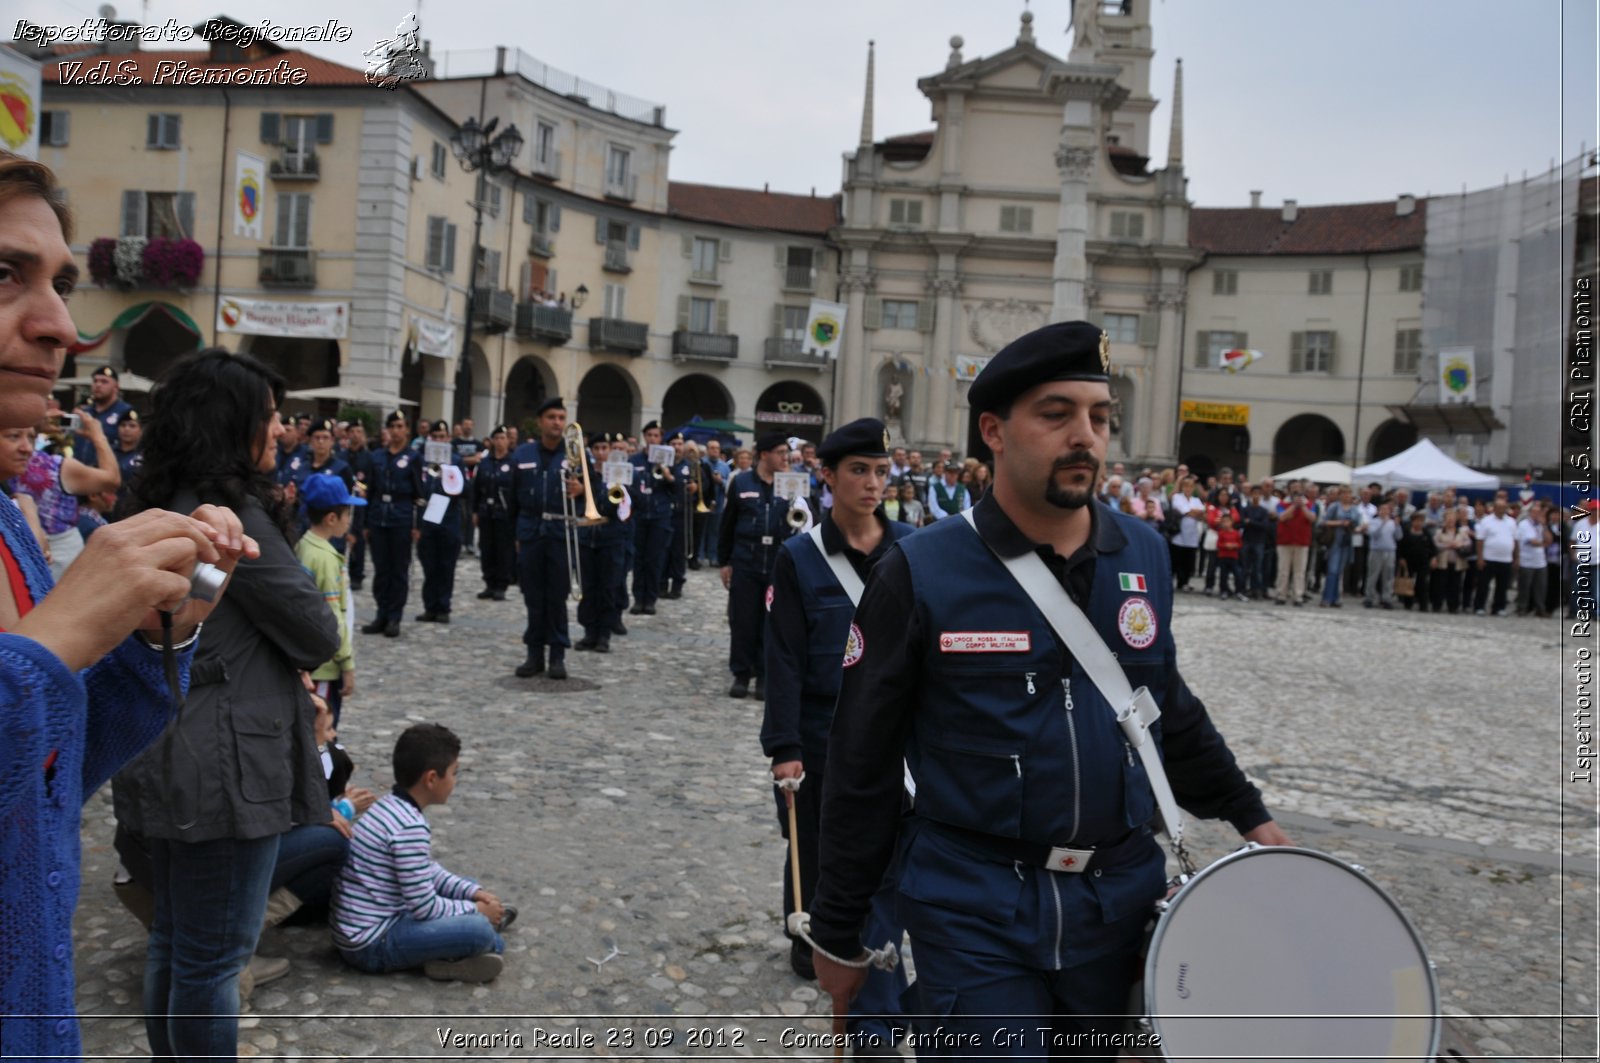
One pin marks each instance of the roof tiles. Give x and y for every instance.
(1343, 229)
(749, 208)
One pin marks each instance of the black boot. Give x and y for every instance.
(485, 594)
(602, 645)
(586, 643)
(619, 628)
(374, 628)
(740, 688)
(534, 665)
(558, 668)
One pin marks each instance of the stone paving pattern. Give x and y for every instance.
(630, 806)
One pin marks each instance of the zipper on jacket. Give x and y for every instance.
(1072, 737)
(1016, 762)
(1055, 892)
(1029, 677)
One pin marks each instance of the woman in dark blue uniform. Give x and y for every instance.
(392, 525)
(497, 541)
(439, 546)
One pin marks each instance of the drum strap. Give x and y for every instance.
(1136, 710)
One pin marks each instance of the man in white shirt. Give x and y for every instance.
(1533, 532)
(1497, 549)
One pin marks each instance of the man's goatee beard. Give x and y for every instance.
(1067, 498)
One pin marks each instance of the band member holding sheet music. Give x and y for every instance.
(1028, 867)
(601, 548)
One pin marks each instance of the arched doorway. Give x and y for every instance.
(1304, 439)
(794, 408)
(608, 401)
(1392, 437)
(526, 387)
(474, 389)
(1205, 448)
(155, 342)
(695, 395)
(303, 363)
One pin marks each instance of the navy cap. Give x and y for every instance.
(866, 438)
(131, 417)
(599, 437)
(770, 441)
(326, 491)
(1066, 350)
(106, 370)
(646, 428)
(439, 426)
(677, 437)
(552, 403)
(323, 425)
(395, 418)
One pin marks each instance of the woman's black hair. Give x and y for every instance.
(207, 416)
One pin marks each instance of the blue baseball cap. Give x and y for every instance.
(326, 491)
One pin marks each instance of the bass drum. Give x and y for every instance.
(1284, 953)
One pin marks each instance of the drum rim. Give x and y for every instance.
(1436, 1023)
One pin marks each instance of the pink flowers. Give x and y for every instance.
(133, 262)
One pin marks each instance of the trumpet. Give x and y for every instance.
(797, 515)
(572, 437)
(658, 472)
(615, 494)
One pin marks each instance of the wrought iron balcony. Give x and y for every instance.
(793, 352)
(711, 346)
(493, 309)
(291, 165)
(799, 279)
(617, 260)
(288, 267)
(615, 334)
(537, 321)
(624, 188)
(542, 245)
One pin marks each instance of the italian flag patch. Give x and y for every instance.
(1131, 581)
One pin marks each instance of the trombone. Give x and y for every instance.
(697, 477)
(572, 437)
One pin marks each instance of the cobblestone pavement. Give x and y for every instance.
(630, 807)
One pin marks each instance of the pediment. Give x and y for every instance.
(1019, 68)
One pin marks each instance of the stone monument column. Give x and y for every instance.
(941, 418)
(856, 396)
(1076, 164)
(1161, 440)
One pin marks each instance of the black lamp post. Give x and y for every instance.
(479, 148)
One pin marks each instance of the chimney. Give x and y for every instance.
(1291, 211)
(1255, 197)
(1405, 206)
(766, 187)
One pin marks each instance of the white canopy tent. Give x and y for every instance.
(127, 381)
(1318, 472)
(1423, 466)
(351, 393)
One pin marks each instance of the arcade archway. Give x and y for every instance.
(695, 395)
(1390, 438)
(793, 408)
(608, 401)
(1205, 448)
(1304, 439)
(530, 381)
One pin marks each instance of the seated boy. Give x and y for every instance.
(395, 908)
(330, 509)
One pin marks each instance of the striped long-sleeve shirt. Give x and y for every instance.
(391, 874)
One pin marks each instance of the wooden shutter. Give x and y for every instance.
(525, 280)
(633, 237)
(269, 127)
(186, 214)
(683, 313)
(433, 256)
(1149, 330)
(152, 131)
(324, 129)
(872, 313)
(1297, 352)
(725, 250)
(554, 217)
(132, 213)
(449, 247)
(60, 128)
(722, 317)
(285, 227)
(925, 315)
(1333, 352)
(1202, 345)
(1241, 340)
(688, 246)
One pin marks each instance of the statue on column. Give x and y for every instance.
(1084, 15)
(892, 397)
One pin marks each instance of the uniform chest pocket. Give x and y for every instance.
(973, 782)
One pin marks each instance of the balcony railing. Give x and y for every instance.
(288, 267)
(615, 334)
(537, 321)
(493, 309)
(799, 279)
(792, 352)
(542, 245)
(291, 165)
(713, 346)
(617, 258)
(704, 276)
(624, 188)
(549, 166)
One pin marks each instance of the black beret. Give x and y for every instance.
(1066, 350)
(439, 426)
(598, 437)
(677, 437)
(396, 417)
(107, 370)
(323, 425)
(770, 441)
(552, 403)
(497, 430)
(131, 417)
(646, 428)
(866, 438)
(616, 437)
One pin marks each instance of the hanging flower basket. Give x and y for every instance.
(171, 263)
(102, 261)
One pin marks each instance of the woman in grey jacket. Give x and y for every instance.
(239, 765)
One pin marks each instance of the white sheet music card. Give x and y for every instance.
(617, 472)
(791, 485)
(660, 454)
(437, 453)
(437, 505)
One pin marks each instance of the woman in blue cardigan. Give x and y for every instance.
(82, 683)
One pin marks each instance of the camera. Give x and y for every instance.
(205, 583)
(71, 422)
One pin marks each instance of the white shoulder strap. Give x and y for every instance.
(843, 571)
(1136, 709)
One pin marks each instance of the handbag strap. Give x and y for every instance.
(843, 571)
(1135, 710)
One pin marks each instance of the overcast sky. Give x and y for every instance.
(1319, 102)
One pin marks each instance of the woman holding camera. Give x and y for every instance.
(239, 765)
(55, 482)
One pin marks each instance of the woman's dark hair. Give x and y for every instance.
(207, 415)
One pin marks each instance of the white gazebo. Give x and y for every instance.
(1423, 467)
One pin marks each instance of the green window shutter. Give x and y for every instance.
(152, 131)
(683, 313)
(725, 250)
(924, 315)
(269, 127)
(633, 237)
(186, 214)
(132, 213)
(525, 280)
(722, 317)
(1202, 344)
(433, 251)
(324, 129)
(599, 230)
(777, 320)
(1149, 329)
(872, 314)
(1297, 352)
(688, 246)
(449, 247)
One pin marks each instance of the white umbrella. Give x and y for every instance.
(1320, 472)
(351, 393)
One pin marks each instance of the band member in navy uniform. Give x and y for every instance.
(359, 458)
(392, 525)
(1028, 867)
(439, 544)
(683, 498)
(293, 454)
(600, 549)
(652, 515)
(539, 482)
(809, 644)
(323, 458)
(754, 526)
(497, 540)
(627, 538)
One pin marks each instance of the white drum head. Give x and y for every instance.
(1278, 953)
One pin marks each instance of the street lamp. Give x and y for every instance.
(479, 148)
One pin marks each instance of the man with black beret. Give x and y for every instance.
(540, 485)
(293, 454)
(1029, 866)
(395, 483)
(439, 544)
(129, 451)
(809, 643)
(652, 516)
(601, 547)
(492, 486)
(681, 491)
(106, 403)
(358, 456)
(754, 526)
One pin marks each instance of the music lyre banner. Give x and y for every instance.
(617, 473)
(791, 485)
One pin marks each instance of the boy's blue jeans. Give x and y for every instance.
(410, 943)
